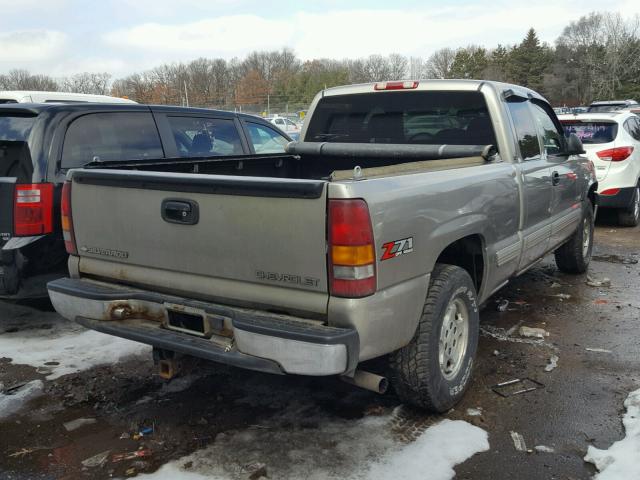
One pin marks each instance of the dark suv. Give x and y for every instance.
(40, 142)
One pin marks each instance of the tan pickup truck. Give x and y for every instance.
(403, 208)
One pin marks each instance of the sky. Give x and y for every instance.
(62, 37)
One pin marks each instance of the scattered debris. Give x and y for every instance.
(555, 285)
(516, 386)
(496, 353)
(561, 296)
(543, 449)
(474, 412)
(600, 301)
(143, 432)
(518, 441)
(597, 350)
(612, 258)
(77, 423)
(503, 335)
(503, 305)
(98, 460)
(130, 472)
(553, 363)
(119, 457)
(529, 332)
(605, 282)
(22, 452)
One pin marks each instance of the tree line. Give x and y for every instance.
(595, 57)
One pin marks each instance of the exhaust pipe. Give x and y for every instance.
(368, 381)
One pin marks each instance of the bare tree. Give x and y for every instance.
(439, 63)
(94, 83)
(23, 80)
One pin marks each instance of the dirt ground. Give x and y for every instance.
(267, 419)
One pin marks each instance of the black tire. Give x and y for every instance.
(574, 255)
(630, 216)
(418, 377)
(9, 279)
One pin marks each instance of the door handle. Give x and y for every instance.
(178, 210)
(555, 178)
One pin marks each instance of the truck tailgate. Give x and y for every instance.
(245, 232)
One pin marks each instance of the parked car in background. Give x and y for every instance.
(39, 143)
(286, 125)
(405, 207)
(611, 105)
(612, 143)
(28, 96)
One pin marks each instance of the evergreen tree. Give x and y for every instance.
(529, 61)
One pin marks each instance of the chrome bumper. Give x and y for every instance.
(260, 340)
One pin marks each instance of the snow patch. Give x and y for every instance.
(56, 346)
(334, 449)
(13, 401)
(621, 459)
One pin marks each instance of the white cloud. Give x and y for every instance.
(31, 45)
(222, 36)
(349, 33)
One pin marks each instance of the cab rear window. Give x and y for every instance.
(592, 132)
(16, 128)
(418, 117)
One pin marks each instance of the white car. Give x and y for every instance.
(612, 143)
(29, 96)
(285, 125)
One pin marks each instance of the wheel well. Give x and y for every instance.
(592, 195)
(466, 253)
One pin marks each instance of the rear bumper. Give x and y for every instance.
(259, 340)
(620, 200)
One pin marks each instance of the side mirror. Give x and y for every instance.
(574, 145)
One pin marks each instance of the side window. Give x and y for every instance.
(632, 126)
(525, 129)
(205, 137)
(551, 136)
(111, 136)
(265, 139)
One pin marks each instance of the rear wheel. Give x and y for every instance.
(434, 370)
(630, 216)
(575, 254)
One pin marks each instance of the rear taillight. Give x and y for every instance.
(67, 220)
(33, 209)
(610, 191)
(616, 154)
(405, 85)
(352, 262)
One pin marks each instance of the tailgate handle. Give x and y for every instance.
(178, 210)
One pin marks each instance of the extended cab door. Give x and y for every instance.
(564, 209)
(535, 176)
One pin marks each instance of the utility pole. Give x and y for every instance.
(186, 95)
(268, 104)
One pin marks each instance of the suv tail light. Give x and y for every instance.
(67, 220)
(352, 261)
(33, 209)
(616, 154)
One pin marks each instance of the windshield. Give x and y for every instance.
(418, 117)
(15, 128)
(592, 132)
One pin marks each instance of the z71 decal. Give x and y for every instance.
(397, 248)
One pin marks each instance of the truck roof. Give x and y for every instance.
(436, 84)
